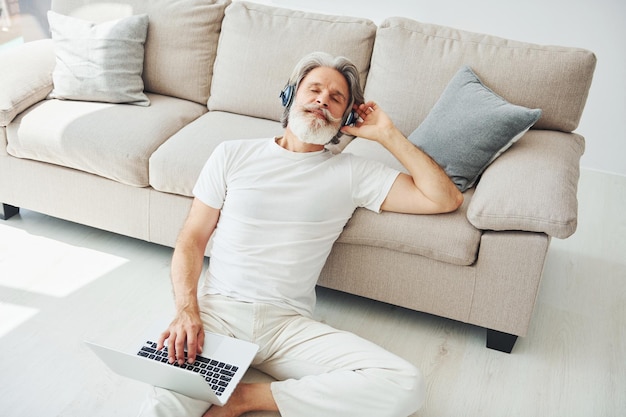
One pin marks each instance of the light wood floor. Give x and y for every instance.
(62, 283)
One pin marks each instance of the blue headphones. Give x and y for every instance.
(286, 97)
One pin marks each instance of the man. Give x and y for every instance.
(274, 208)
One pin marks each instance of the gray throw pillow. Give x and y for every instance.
(469, 127)
(99, 62)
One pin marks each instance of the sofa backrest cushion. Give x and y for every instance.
(260, 45)
(181, 44)
(413, 62)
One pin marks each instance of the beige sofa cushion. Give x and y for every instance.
(109, 140)
(413, 62)
(181, 43)
(175, 166)
(447, 237)
(531, 187)
(260, 45)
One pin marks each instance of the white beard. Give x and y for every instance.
(309, 128)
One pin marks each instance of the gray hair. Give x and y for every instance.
(323, 59)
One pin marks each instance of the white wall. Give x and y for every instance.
(597, 25)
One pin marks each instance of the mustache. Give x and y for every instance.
(325, 112)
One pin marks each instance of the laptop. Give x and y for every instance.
(212, 377)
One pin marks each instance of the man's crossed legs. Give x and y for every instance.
(321, 371)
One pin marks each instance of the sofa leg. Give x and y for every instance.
(503, 342)
(8, 211)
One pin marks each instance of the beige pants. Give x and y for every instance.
(321, 371)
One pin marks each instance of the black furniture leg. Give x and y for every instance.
(503, 342)
(8, 211)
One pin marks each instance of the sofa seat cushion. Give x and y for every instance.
(110, 140)
(175, 166)
(447, 237)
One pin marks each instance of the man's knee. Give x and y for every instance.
(410, 392)
(418, 390)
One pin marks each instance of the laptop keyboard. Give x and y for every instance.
(217, 374)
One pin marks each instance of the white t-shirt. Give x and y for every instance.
(281, 212)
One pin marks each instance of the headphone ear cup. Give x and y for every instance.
(351, 119)
(287, 95)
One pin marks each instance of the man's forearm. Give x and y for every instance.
(186, 270)
(188, 257)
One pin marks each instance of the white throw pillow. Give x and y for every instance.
(99, 62)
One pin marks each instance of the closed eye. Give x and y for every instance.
(338, 98)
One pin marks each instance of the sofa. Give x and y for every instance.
(212, 70)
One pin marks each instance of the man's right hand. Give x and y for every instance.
(185, 329)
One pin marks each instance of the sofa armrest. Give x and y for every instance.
(25, 77)
(531, 187)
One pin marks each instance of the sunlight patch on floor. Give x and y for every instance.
(49, 267)
(13, 316)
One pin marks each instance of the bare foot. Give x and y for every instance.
(246, 397)
(217, 411)
(228, 410)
